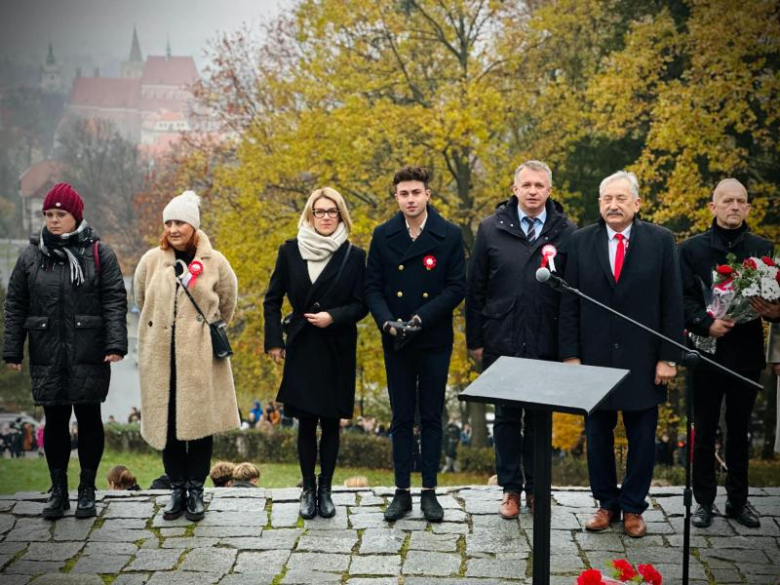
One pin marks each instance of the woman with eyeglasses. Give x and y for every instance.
(321, 273)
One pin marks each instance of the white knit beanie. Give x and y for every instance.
(184, 207)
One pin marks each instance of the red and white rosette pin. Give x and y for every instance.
(429, 262)
(548, 253)
(194, 270)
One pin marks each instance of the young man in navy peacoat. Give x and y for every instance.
(631, 266)
(415, 279)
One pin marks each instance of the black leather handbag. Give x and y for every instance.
(219, 339)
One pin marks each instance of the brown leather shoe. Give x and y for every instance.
(530, 500)
(634, 525)
(601, 520)
(510, 506)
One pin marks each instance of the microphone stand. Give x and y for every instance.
(691, 359)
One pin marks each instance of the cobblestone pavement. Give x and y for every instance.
(255, 537)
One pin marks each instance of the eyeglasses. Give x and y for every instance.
(320, 213)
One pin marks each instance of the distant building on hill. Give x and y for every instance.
(150, 104)
(51, 75)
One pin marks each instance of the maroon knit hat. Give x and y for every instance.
(64, 196)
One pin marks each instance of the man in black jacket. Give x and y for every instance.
(509, 313)
(739, 347)
(414, 280)
(631, 266)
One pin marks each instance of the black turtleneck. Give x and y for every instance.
(186, 256)
(728, 236)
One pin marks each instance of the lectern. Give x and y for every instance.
(544, 387)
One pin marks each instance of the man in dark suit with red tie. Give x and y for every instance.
(632, 266)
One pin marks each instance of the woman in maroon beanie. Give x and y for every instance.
(67, 294)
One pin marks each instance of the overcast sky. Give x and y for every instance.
(98, 32)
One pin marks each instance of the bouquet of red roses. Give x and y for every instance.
(733, 285)
(622, 572)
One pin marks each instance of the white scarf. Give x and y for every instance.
(317, 249)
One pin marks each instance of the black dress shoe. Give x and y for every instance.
(745, 515)
(431, 508)
(400, 506)
(702, 517)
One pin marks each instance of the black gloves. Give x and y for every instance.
(405, 331)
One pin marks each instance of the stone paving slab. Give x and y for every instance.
(256, 536)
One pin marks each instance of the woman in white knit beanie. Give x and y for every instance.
(321, 273)
(187, 394)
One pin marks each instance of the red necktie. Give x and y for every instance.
(619, 256)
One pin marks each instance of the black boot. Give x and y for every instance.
(178, 501)
(325, 507)
(308, 509)
(400, 506)
(195, 507)
(58, 495)
(431, 508)
(86, 505)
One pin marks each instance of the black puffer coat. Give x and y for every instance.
(71, 329)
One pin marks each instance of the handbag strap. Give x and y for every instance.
(341, 268)
(184, 286)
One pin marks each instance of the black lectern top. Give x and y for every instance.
(544, 385)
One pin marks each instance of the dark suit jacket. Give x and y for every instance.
(742, 348)
(398, 285)
(649, 291)
(319, 367)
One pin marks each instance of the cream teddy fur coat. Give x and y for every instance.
(205, 395)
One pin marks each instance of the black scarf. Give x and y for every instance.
(61, 248)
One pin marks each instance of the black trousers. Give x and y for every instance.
(416, 380)
(307, 445)
(184, 459)
(640, 428)
(709, 389)
(513, 439)
(56, 435)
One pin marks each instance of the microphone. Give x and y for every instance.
(544, 275)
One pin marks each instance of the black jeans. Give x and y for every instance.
(56, 435)
(307, 445)
(709, 389)
(184, 459)
(416, 380)
(640, 428)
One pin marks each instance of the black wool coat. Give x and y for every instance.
(320, 363)
(649, 291)
(399, 285)
(507, 311)
(71, 329)
(742, 348)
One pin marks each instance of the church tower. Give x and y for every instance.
(51, 76)
(134, 66)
